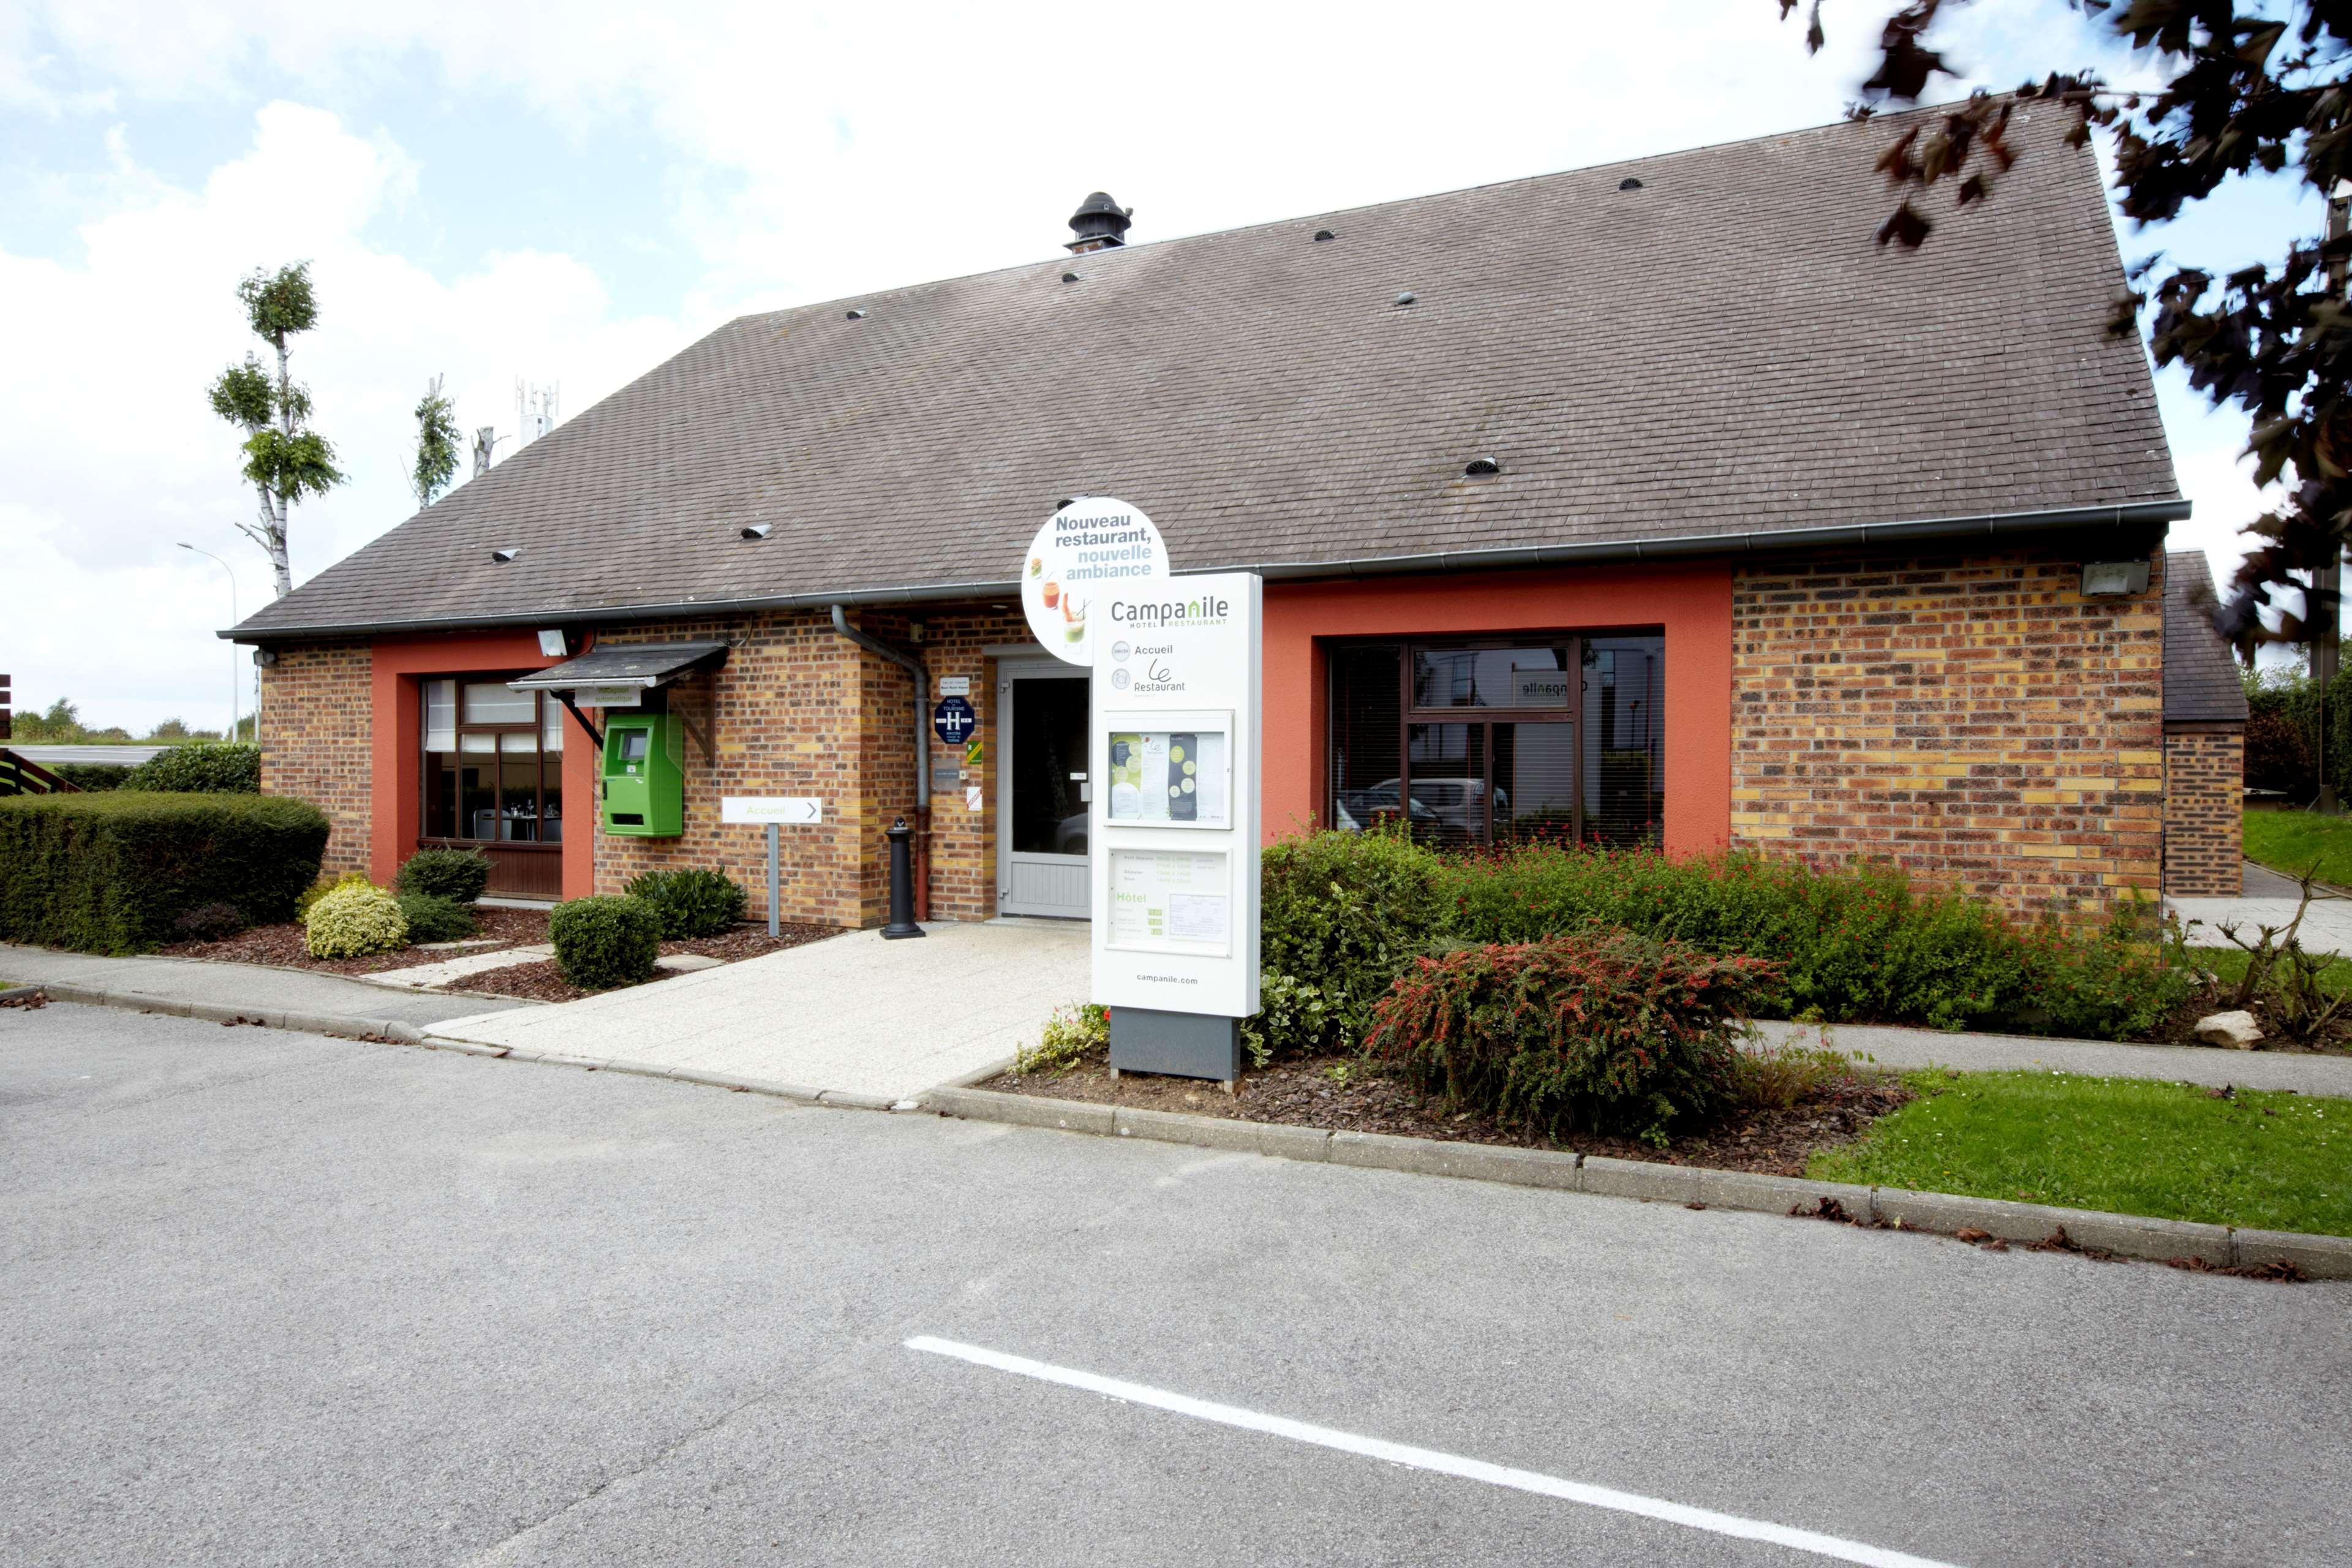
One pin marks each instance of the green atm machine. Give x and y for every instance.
(642, 789)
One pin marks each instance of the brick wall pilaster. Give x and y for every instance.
(2204, 801)
(317, 725)
(1974, 720)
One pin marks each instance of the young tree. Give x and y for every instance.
(2264, 91)
(284, 459)
(437, 445)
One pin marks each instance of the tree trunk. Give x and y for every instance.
(280, 567)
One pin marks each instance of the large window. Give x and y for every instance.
(1496, 742)
(493, 762)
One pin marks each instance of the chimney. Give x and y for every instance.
(1099, 223)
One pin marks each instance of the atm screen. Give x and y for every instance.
(633, 746)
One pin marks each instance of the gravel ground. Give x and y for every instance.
(280, 946)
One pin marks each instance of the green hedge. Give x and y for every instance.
(605, 941)
(1345, 914)
(200, 768)
(1340, 916)
(691, 902)
(457, 875)
(93, 776)
(113, 872)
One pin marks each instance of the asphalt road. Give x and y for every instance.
(269, 1297)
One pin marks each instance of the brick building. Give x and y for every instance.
(1841, 550)
(2204, 740)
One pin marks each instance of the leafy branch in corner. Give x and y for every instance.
(2243, 94)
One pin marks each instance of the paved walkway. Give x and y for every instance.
(853, 1016)
(1891, 1047)
(253, 985)
(2269, 898)
(456, 971)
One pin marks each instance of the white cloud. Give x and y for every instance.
(112, 456)
(808, 151)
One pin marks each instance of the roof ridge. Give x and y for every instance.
(901, 289)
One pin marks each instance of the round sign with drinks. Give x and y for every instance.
(1091, 545)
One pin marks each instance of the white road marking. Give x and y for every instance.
(1431, 1459)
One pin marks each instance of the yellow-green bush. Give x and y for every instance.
(352, 920)
(321, 887)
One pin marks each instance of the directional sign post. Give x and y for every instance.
(773, 811)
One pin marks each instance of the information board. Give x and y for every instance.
(1174, 729)
(1165, 901)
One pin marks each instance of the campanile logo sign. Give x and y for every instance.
(1095, 544)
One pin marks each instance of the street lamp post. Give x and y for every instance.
(232, 651)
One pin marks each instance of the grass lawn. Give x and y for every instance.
(2272, 1162)
(2289, 841)
(2230, 964)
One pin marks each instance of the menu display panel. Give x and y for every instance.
(1165, 901)
(1178, 777)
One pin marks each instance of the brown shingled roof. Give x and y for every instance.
(1721, 352)
(2201, 677)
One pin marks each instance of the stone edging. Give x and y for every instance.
(2127, 1236)
(840, 1098)
(341, 1024)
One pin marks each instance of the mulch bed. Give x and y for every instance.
(1345, 1096)
(2179, 1029)
(543, 981)
(280, 946)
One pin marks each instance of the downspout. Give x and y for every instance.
(913, 664)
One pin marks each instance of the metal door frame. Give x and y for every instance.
(1044, 667)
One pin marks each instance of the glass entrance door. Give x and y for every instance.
(1041, 790)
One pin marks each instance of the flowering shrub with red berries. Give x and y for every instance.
(1594, 1030)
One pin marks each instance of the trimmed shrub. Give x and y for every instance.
(201, 768)
(93, 776)
(605, 940)
(1598, 1031)
(351, 921)
(114, 872)
(1857, 942)
(457, 875)
(690, 903)
(432, 918)
(208, 922)
(2114, 984)
(1341, 915)
(322, 887)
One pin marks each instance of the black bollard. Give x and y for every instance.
(902, 885)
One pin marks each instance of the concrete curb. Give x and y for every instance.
(343, 1024)
(1946, 1214)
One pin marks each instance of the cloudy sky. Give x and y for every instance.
(570, 193)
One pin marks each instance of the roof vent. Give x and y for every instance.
(1064, 504)
(1629, 183)
(853, 315)
(1323, 233)
(1099, 223)
(757, 530)
(1407, 298)
(507, 554)
(1069, 278)
(1481, 467)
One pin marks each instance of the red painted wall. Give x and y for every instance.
(1692, 603)
(400, 663)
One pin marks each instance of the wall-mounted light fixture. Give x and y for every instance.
(551, 645)
(2114, 579)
